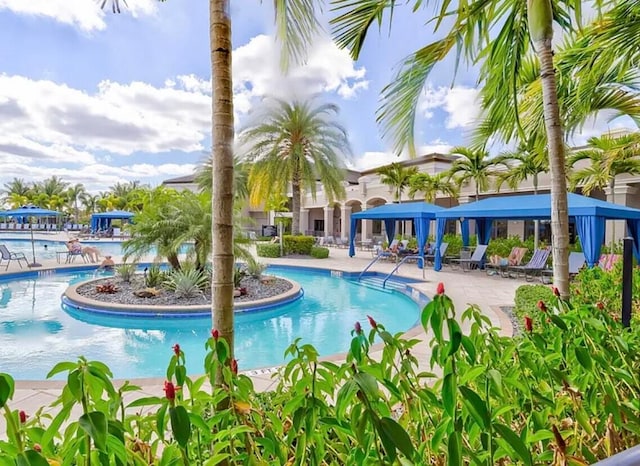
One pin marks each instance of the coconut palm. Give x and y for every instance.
(431, 185)
(89, 202)
(240, 173)
(17, 186)
(74, 194)
(397, 177)
(608, 157)
(51, 186)
(473, 165)
(297, 143)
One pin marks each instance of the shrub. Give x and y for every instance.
(255, 268)
(527, 297)
(155, 276)
(503, 246)
(186, 282)
(126, 271)
(238, 275)
(268, 250)
(319, 253)
(298, 244)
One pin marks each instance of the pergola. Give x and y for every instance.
(422, 213)
(588, 213)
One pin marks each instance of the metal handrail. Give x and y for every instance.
(375, 259)
(404, 259)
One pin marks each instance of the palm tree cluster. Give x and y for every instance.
(56, 194)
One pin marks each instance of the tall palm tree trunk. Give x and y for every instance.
(296, 194)
(222, 171)
(541, 10)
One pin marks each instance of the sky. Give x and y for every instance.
(100, 98)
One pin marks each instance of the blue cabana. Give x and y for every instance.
(420, 212)
(102, 220)
(588, 213)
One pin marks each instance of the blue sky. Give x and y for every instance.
(99, 98)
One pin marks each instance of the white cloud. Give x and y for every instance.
(460, 103)
(83, 14)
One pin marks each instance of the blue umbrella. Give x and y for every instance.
(30, 212)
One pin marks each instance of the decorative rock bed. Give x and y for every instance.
(259, 293)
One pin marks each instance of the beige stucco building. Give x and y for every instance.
(319, 217)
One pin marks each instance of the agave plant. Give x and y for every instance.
(186, 282)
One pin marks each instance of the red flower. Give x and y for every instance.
(23, 416)
(176, 349)
(528, 324)
(170, 391)
(234, 366)
(556, 291)
(358, 328)
(37, 447)
(600, 305)
(542, 306)
(215, 334)
(373, 323)
(440, 289)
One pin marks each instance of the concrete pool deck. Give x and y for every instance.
(476, 287)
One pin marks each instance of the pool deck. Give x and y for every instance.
(475, 287)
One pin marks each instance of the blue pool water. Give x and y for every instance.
(36, 333)
(49, 253)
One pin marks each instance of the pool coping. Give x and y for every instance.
(414, 294)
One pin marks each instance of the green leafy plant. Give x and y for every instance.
(319, 252)
(238, 275)
(268, 250)
(155, 276)
(528, 297)
(298, 244)
(126, 271)
(255, 268)
(186, 282)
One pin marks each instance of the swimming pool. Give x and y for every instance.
(49, 252)
(36, 333)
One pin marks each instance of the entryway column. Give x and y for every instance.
(328, 221)
(304, 221)
(345, 220)
(364, 226)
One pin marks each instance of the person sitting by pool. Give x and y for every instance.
(75, 248)
(107, 264)
(511, 259)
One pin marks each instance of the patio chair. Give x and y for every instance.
(474, 261)
(535, 266)
(513, 259)
(388, 253)
(432, 257)
(576, 262)
(5, 255)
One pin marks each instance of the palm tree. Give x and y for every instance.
(608, 157)
(298, 143)
(74, 194)
(525, 163)
(473, 165)
(89, 202)
(17, 186)
(431, 185)
(240, 180)
(52, 186)
(397, 177)
(495, 33)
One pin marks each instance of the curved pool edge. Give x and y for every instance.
(416, 295)
(72, 298)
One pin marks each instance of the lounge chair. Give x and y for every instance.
(576, 262)
(607, 261)
(535, 266)
(472, 262)
(432, 257)
(386, 253)
(516, 255)
(5, 255)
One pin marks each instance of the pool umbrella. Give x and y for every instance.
(31, 212)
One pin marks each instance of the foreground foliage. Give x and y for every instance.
(566, 392)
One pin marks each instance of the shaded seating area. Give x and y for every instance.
(588, 214)
(535, 266)
(421, 213)
(6, 255)
(101, 223)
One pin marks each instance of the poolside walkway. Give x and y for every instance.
(488, 292)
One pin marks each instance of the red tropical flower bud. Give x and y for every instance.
(528, 324)
(23, 416)
(542, 306)
(176, 349)
(234, 366)
(170, 391)
(358, 328)
(373, 323)
(215, 334)
(37, 447)
(600, 305)
(556, 292)
(440, 289)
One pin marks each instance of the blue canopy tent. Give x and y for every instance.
(102, 220)
(588, 213)
(420, 212)
(28, 212)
